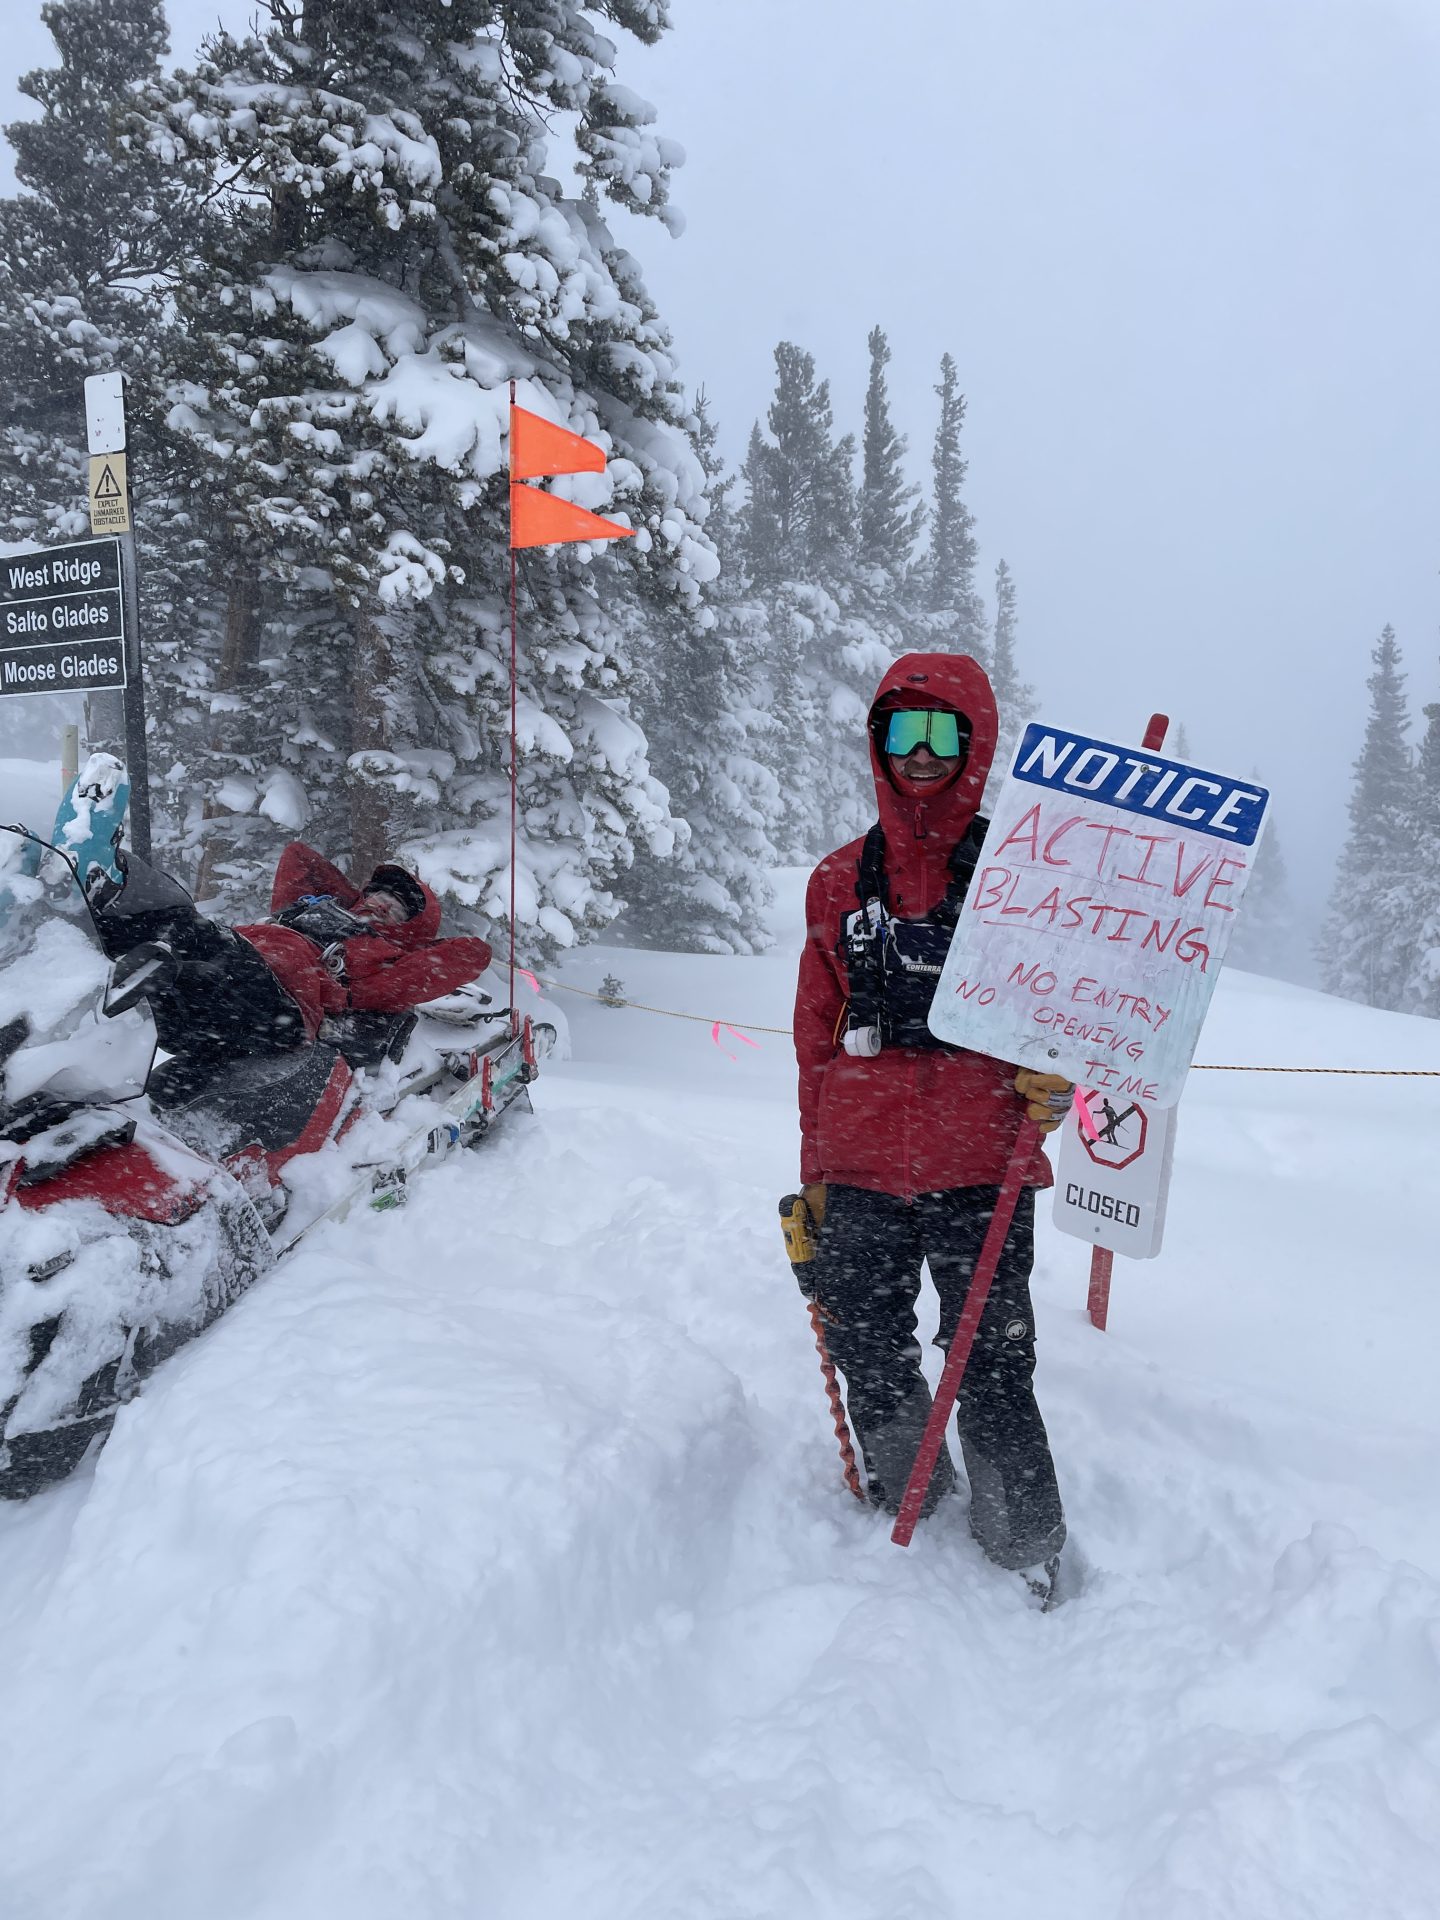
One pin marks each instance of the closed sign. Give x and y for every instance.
(1112, 1179)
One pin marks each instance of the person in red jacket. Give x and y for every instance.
(905, 1140)
(329, 949)
(393, 960)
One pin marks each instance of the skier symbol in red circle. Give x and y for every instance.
(1120, 1137)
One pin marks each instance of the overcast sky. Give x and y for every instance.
(1184, 254)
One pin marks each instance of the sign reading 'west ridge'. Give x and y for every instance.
(62, 619)
(1103, 900)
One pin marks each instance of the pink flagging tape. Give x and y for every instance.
(722, 1026)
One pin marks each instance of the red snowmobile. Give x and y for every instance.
(210, 1182)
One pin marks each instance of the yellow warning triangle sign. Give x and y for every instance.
(109, 494)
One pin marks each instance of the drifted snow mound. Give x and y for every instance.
(492, 1558)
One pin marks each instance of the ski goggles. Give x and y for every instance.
(923, 727)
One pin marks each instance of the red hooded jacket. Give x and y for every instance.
(385, 972)
(910, 1120)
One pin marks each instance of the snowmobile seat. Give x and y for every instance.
(264, 1099)
(366, 1039)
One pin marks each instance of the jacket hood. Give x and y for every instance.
(422, 925)
(302, 871)
(953, 683)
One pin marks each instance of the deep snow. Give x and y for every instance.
(492, 1559)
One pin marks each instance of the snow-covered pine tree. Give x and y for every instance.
(800, 479)
(956, 611)
(391, 254)
(84, 248)
(1422, 987)
(1366, 945)
(798, 531)
(78, 248)
(890, 513)
(757, 528)
(1014, 696)
(704, 724)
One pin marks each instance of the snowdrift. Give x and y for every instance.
(493, 1557)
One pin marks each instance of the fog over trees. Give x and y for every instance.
(319, 251)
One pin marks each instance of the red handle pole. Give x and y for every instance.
(933, 1437)
(1102, 1259)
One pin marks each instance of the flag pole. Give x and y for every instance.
(539, 519)
(514, 712)
(1102, 1259)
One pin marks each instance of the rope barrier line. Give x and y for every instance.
(638, 1006)
(1364, 1073)
(748, 1026)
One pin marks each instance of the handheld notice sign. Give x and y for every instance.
(62, 619)
(1112, 1178)
(1091, 938)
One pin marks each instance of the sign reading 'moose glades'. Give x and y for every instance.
(62, 619)
(1100, 909)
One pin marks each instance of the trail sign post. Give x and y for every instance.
(62, 619)
(1092, 934)
(110, 513)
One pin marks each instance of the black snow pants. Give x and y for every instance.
(866, 1276)
(218, 1000)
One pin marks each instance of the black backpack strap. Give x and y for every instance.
(871, 882)
(963, 860)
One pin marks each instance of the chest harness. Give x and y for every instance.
(326, 924)
(892, 966)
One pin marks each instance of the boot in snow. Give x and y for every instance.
(1043, 1583)
(1019, 1524)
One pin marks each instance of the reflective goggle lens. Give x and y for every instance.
(939, 731)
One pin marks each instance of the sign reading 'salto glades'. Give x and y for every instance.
(1102, 903)
(62, 619)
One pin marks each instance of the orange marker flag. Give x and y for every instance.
(538, 519)
(538, 448)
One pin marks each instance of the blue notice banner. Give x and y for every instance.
(1140, 782)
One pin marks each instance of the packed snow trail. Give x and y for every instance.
(492, 1558)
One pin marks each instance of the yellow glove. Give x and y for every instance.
(814, 1198)
(1048, 1097)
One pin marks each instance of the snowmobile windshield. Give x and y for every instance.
(56, 1040)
